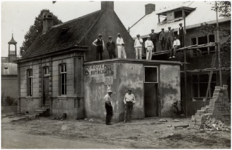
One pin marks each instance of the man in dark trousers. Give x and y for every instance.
(162, 37)
(153, 39)
(129, 101)
(169, 38)
(108, 106)
(99, 43)
(181, 33)
(110, 45)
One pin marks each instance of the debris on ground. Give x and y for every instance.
(163, 120)
(91, 120)
(181, 126)
(176, 120)
(63, 117)
(169, 126)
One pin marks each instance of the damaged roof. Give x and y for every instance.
(63, 36)
(201, 13)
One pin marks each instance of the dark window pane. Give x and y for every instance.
(211, 38)
(195, 78)
(195, 90)
(203, 89)
(202, 40)
(204, 77)
(193, 41)
(150, 74)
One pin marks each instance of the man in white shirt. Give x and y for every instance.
(120, 45)
(138, 47)
(176, 44)
(108, 106)
(100, 46)
(129, 101)
(149, 46)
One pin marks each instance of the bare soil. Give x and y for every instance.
(146, 133)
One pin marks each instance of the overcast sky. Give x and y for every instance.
(18, 16)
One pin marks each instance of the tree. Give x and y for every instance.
(35, 30)
(224, 7)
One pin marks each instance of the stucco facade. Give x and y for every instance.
(122, 74)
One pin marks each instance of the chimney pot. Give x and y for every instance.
(149, 8)
(47, 21)
(107, 5)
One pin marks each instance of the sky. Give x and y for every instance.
(18, 16)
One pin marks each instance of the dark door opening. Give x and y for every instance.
(46, 91)
(151, 101)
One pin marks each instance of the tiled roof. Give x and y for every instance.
(202, 13)
(63, 36)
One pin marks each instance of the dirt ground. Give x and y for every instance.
(146, 133)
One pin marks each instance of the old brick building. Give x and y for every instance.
(51, 70)
(199, 61)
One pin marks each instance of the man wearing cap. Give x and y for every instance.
(169, 38)
(110, 45)
(181, 33)
(162, 38)
(99, 43)
(120, 45)
(176, 44)
(138, 47)
(129, 101)
(108, 106)
(149, 46)
(153, 39)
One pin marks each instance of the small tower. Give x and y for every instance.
(12, 53)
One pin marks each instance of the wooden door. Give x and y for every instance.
(151, 100)
(46, 91)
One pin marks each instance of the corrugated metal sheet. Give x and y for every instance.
(9, 69)
(201, 14)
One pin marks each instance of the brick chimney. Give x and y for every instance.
(47, 21)
(107, 5)
(149, 8)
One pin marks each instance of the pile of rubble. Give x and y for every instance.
(216, 115)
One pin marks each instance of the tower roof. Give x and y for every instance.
(12, 41)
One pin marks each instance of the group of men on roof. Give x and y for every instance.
(164, 37)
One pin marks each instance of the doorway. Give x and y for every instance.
(151, 102)
(45, 100)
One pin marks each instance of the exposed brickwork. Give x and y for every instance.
(216, 115)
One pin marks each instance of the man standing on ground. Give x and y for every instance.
(120, 45)
(153, 39)
(181, 33)
(169, 36)
(138, 47)
(162, 38)
(110, 45)
(129, 101)
(176, 44)
(99, 43)
(149, 46)
(108, 106)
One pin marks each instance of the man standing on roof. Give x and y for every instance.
(99, 43)
(110, 45)
(138, 47)
(120, 45)
(181, 33)
(149, 46)
(153, 39)
(176, 45)
(162, 37)
(108, 106)
(169, 38)
(129, 101)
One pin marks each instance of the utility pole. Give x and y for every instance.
(218, 46)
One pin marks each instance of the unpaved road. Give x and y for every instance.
(19, 140)
(146, 133)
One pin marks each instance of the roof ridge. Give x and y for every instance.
(75, 19)
(138, 21)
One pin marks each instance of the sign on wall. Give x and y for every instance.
(103, 73)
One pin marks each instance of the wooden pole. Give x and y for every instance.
(218, 46)
(185, 67)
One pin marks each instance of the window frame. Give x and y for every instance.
(157, 76)
(209, 51)
(62, 79)
(29, 82)
(199, 82)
